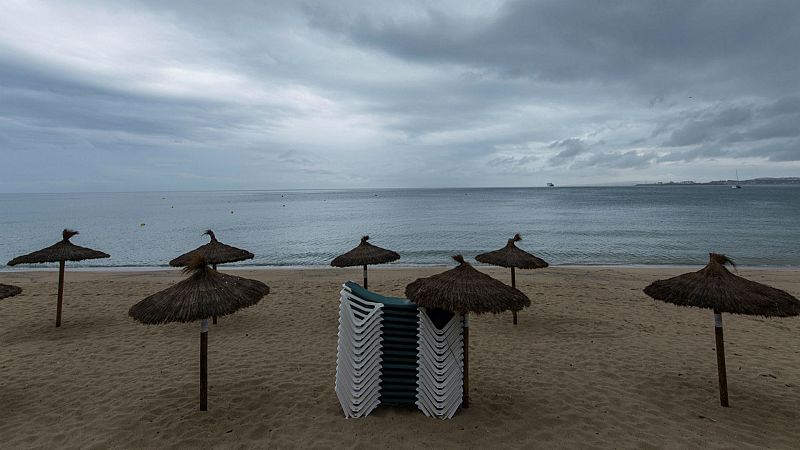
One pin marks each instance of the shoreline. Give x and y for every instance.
(232, 267)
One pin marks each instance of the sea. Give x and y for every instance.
(629, 226)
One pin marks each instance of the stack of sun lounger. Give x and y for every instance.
(358, 356)
(441, 363)
(399, 367)
(391, 352)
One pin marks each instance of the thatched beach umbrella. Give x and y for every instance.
(714, 287)
(59, 252)
(7, 290)
(205, 293)
(215, 252)
(513, 257)
(364, 254)
(465, 290)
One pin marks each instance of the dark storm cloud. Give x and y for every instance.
(640, 44)
(702, 49)
(783, 152)
(783, 127)
(184, 94)
(707, 126)
(735, 132)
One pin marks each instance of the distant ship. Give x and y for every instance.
(550, 185)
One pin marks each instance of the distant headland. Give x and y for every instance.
(754, 181)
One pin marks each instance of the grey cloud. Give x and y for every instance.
(318, 172)
(49, 99)
(419, 93)
(781, 152)
(647, 43)
(708, 126)
(617, 160)
(512, 161)
(691, 133)
(779, 127)
(734, 131)
(303, 162)
(656, 100)
(791, 153)
(785, 105)
(694, 154)
(570, 148)
(294, 157)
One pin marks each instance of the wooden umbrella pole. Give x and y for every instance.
(60, 292)
(365, 277)
(465, 396)
(723, 378)
(204, 365)
(214, 319)
(514, 285)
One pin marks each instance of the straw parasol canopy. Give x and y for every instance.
(364, 254)
(463, 290)
(64, 250)
(714, 287)
(7, 290)
(60, 252)
(204, 294)
(215, 252)
(513, 257)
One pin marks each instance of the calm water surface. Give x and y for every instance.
(757, 225)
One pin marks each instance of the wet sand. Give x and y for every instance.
(594, 363)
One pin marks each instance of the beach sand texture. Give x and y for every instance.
(594, 363)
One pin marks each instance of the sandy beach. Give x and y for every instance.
(594, 363)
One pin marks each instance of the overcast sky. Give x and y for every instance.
(152, 95)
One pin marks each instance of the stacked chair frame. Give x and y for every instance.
(440, 371)
(390, 352)
(358, 356)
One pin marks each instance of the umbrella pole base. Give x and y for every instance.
(60, 293)
(721, 371)
(204, 365)
(514, 285)
(465, 395)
